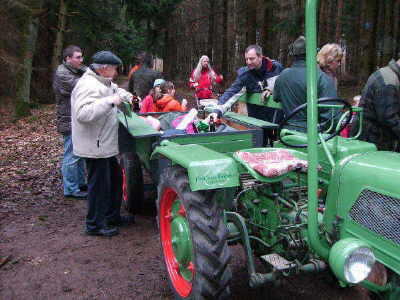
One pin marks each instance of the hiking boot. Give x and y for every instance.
(124, 221)
(105, 231)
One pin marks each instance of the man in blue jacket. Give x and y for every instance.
(252, 79)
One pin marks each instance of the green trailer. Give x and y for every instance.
(137, 141)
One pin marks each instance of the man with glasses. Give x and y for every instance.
(64, 81)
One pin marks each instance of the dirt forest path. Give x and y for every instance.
(44, 253)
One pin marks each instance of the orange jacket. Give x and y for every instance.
(133, 70)
(168, 103)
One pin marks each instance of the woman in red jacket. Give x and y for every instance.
(166, 102)
(203, 78)
(149, 103)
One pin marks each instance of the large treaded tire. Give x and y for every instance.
(207, 238)
(132, 182)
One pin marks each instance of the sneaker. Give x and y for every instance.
(124, 221)
(105, 231)
(79, 195)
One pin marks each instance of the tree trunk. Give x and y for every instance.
(58, 44)
(368, 39)
(388, 34)
(210, 42)
(29, 30)
(251, 26)
(224, 68)
(338, 33)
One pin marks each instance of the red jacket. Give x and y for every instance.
(148, 105)
(167, 103)
(204, 87)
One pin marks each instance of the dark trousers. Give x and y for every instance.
(104, 192)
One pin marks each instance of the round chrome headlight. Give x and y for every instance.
(351, 260)
(358, 265)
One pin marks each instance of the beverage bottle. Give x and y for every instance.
(212, 124)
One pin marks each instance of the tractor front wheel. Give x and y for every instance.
(193, 238)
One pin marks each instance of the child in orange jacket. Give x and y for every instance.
(167, 102)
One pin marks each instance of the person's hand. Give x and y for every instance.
(115, 100)
(184, 102)
(125, 96)
(196, 84)
(265, 94)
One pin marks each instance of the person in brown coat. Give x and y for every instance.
(64, 81)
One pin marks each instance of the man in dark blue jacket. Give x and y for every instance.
(252, 79)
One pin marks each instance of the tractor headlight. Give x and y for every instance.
(351, 260)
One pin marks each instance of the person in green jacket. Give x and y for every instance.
(291, 86)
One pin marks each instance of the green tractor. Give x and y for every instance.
(343, 213)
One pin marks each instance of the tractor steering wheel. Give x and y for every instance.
(320, 126)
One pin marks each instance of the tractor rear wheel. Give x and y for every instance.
(132, 182)
(193, 238)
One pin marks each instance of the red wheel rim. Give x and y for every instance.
(182, 286)
(124, 187)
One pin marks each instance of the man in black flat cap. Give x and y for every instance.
(94, 103)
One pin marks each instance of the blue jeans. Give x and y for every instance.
(72, 169)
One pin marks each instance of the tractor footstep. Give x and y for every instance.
(278, 262)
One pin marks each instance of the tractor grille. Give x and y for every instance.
(379, 213)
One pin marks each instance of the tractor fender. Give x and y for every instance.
(206, 169)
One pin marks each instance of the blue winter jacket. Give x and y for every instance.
(251, 78)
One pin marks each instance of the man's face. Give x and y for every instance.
(109, 72)
(253, 61)
(75, 60)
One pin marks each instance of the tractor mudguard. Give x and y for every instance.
(206, 168)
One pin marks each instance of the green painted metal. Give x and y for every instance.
(181, 240)
(249, 120)
(227, 143)
(239, 224)
(257, 99)
(338, 147)
(366, 172)
(312, 134)
(206, 169)
(136, 126)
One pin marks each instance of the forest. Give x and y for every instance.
(180, 31)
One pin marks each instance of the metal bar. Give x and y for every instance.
(327, 152)
(239, 222)
(312, 134)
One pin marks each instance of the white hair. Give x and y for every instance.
(197, 71)
(100, 66)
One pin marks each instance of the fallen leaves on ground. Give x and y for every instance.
(30, 153)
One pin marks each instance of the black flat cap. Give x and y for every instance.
(106, 58)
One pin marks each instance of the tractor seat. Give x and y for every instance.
(271, 164)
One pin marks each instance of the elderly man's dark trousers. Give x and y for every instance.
(104, 192)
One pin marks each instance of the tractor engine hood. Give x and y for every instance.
(368, 203)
